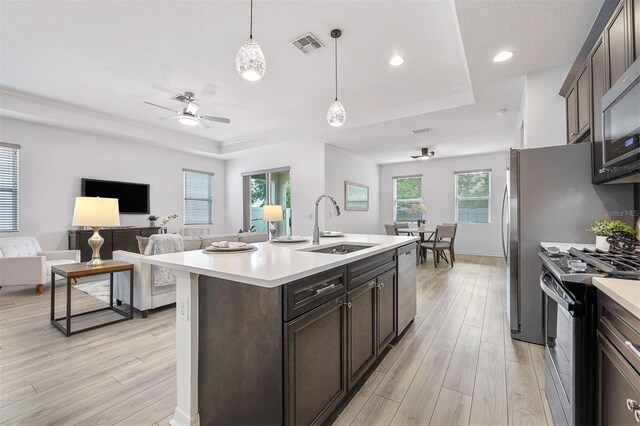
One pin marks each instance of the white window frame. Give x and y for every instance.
(395, 193)
(14, 188)
(184, 197)
(488, 197)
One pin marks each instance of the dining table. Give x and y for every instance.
(422, 232)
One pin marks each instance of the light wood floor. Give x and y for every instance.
(455, 365)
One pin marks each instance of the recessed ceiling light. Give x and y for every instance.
(396, 60)
(503, 56)
(502, 111)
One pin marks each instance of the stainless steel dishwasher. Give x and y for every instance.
(407, 270)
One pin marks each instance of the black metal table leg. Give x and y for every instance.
(111, 290)
(131, 294)
(53, 296)
(68, 306)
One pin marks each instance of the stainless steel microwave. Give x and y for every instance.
(621, 120)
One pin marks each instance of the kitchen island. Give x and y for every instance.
(283, 334)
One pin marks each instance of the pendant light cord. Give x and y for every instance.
(251, 22)
(336, 62)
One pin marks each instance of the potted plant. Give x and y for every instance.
(607, 228)
(152, 220)
(165, 221)
(419, 208)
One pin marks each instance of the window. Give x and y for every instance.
(9, 156)
(198, 198)
(267, 187)
(407, 191)
(473, 197)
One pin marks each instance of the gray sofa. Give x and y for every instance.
(147, 295)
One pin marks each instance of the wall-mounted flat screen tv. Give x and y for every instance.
(132, 197)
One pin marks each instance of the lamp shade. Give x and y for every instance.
(96, 211)
(272, 213)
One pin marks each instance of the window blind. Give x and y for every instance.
(198, 198)
(9, 160)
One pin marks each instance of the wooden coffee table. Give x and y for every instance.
(80, 270)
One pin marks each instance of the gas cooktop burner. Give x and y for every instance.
(614, 263)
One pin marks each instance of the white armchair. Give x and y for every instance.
(22, 262)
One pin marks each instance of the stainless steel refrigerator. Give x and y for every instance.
(549, 197)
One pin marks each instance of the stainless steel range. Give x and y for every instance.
(570, 326)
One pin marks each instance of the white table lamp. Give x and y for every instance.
(272, 213)
(96, 212)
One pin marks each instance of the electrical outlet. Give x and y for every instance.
(183, 305)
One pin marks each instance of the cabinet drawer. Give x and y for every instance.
(621, 328)
(367, 269)
(303, 295)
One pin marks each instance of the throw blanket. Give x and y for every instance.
(162, 244)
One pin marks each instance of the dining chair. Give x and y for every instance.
(444, 239)
(390, 229)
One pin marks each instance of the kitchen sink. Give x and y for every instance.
(342, 248)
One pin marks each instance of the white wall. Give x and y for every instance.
(306, 162)
(438, 195)
(341, 166)
(53, 161)
(544, 112)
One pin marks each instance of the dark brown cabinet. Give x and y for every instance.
(361, 334)
(114, 239)
(315, 363)
(618, 366)
(582, 90)
(618, 389)
(572, 115)
(386, 319)
(617, 42)
(598, 84)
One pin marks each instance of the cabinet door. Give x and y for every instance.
(125, 239)
(387, 318)
(597, 63)
(582, 87)
(618, 387)
(315, 363)
(147, 232)
(572, 115)
(616, 37)
(361, 334)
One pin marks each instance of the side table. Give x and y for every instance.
(80, 270)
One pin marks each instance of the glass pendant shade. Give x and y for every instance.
(336, 116)
(250, 61)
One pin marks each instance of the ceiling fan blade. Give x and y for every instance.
(218, 119)
(415, 157)
(160, 106)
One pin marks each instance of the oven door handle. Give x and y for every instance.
(569, 304)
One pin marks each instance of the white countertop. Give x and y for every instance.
(566, 246)
(275, 264)
(624, 292)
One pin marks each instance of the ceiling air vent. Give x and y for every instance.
(421, 131)
(307, 43)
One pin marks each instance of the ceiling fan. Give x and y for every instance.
(189, 116)
(426, 154)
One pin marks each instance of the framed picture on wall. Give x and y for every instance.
(356, 196)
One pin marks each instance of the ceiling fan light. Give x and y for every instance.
(188, 121)
(336, 115)
(250, 61)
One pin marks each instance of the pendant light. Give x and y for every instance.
(336, 116)
(250, 61)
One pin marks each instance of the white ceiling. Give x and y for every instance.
(90, 65)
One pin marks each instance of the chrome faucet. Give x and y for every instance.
(316, 229)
